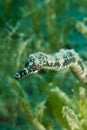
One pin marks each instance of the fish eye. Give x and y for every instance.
(26, 63)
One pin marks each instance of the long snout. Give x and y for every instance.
(21, 73)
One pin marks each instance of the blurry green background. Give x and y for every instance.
(48, 100)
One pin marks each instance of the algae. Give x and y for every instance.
(48, 100)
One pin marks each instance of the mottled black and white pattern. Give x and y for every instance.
(57, 61)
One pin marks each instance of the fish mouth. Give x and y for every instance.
(17, 76)
(21, 73)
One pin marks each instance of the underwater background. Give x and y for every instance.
(47, 100)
